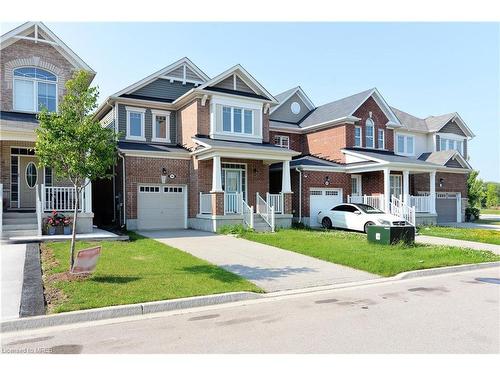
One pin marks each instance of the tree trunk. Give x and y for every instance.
(73, 235)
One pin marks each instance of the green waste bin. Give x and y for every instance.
(390, 235)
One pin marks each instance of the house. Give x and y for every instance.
(359, 149)
(34, 67)
(194, 152)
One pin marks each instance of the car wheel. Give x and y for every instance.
(367, 225)
(326, 222)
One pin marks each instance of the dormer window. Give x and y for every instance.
(369, 133)
(34, 89)
(237, 120)
(451, 144)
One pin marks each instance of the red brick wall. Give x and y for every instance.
(187, 124)
(452, 182)
(265, 127)
(295, 139)
(327, 143)
(379, 118)
(372, 183)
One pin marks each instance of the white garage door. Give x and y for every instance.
(321, 200)
(448, 207)
(161, 207)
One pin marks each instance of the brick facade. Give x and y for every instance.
(327, 143)
(452, 182)
(295, 139)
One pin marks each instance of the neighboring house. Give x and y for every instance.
(194, 152)
(359, 149)
(34, 65)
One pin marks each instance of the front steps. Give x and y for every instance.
(259, 224)
(16, 224)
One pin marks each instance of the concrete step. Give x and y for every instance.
(22, 220)
(18, 233)
(19, 226)
(18, 215)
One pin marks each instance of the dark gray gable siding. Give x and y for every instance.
(148, 127)
(453, 164)
(452, 128)
(438, 143)
(284, 112)
(162, 88)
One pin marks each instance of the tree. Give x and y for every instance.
(491, 195)
(475, 189)
(73, 143)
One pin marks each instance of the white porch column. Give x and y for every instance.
(216, 176)
(432, 191)
(406, 187)
(88, 196)
(387, 189)
(286, 186)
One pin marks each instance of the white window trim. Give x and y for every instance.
(35, 89)
(142, 111)
(369, 123)
(451, 137)
(280, 139)
(405, 136)
(381, 131)
(156, 113)
(243, 109)
(360, 136)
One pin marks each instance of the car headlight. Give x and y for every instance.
(384, 222)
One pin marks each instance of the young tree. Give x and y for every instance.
(475, 189)
(491, 195)
(73, 142)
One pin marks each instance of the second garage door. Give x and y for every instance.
(320, 200)
(446, 207)
(161, 207)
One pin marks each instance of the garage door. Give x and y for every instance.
(446, 207)
(321, 200)
(161, 207)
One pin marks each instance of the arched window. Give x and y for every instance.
(34, 89)
(369, 133)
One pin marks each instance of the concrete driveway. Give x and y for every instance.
(270, 268)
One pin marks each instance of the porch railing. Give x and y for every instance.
(247, 212)
(376, 201)
(205, 203)
(232, 203)
(265, 211)
(400, 209)
(276, 201)
(421, 203)
(63, 198)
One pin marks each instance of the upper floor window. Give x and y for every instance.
(282, 141)
(405, 144)
(369, 133)
(357, 136)
(451, 144)
(237, 120)
(135, 123)
(34, 89)
(380, 138)
(161, 126)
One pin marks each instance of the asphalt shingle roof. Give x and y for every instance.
(438, 157)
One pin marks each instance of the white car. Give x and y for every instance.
(357, 217)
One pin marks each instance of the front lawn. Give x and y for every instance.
(353, 250)
(487, 221)
(134, 271)
(468, 234)
(490, 211)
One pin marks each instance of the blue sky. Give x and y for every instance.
(421, 68)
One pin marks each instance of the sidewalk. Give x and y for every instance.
(430, 240)
(471, 225)
(12, 258)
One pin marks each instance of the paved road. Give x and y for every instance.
(431, 240)
(270, 268)
(12, 258)
(454, 313)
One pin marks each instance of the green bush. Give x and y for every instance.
(296, 225)
(472, 212)
(233, 229)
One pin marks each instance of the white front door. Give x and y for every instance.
(396, 185)
(356, 186)
(232, 181)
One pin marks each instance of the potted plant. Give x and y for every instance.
(66, 221)
(54, 223)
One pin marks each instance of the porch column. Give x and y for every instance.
(88, 197)
(216, 176)
(286, 186)
(432, 191)
(387, 189)
(406, 187)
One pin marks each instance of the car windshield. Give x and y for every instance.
(369, 209)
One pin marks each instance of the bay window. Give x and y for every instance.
(451, 144)
(405, 144)
(369, 133)
(237, 120)
(34, 89)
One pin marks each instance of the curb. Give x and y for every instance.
(123, 311)
(444, 270)
(32, 298)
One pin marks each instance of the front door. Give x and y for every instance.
(356, 186)
(396, 185)
(29, 176)
(233, 181)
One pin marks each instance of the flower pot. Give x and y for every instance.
(51, 230)
(59, 230)
(67, 230)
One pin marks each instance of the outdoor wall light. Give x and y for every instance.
(441, 182)
(327, 180)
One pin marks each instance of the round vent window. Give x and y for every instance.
(295, 107)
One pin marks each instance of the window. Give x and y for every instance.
(295, 108)
(405, 144)
(135, 123)
(237, 120)
(357, 136)
(48, 176)
(34, 89)
(380, 138)
(31, 175)
(395, 185)
(369, 133)
(161, 126)
(282, 141)
(356, 185)
(451, 144)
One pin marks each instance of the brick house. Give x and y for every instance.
(34, 67)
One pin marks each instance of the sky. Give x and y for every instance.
(421, 68)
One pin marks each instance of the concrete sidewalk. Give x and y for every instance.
(12, 258)
(270, 268)
(429, 240)
(471, 225)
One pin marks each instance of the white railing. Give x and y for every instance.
(400, 209)
(247, 212)
(60, 198)
(421, 203)
(265, 211)
(205, 203)
(38, 209)
(232, 203)
(276, 201)
(1, 207)
(376, 201)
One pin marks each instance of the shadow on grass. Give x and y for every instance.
(115, 279)
(213, 272)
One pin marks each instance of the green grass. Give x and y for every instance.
(479, 235)
(487, 221)
(353, 250)
(131, 272)
(490, 211)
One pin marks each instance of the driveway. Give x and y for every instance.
(270, 268)
(12, 257)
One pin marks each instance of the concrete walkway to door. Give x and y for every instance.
(270, 268)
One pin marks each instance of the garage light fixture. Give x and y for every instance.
(441, 182)
(327, 180)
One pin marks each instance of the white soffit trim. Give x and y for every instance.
(302, 95)
(379, 99)
(22, 31)
(156, 154)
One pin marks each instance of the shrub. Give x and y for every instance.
(233, 229)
